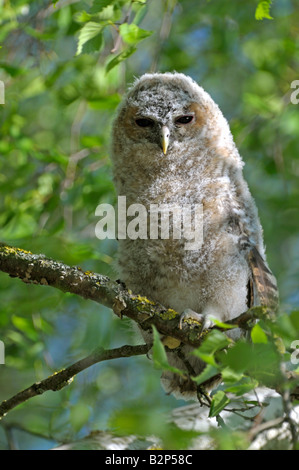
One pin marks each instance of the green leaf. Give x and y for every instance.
(90, 31)
(120, 58)
(207, 358)
(237, 356)
(258, 335)
(141, 12)
(259, 360)
(25, 325)
(225, 326)
(99, 5)
(214, 341)
(263, 10)
(219, 401)
(132, 34)
(230, 376)
(37, 34)
(243, 386)
(208, 372)
(159, 355)
(286, 326)
(82, 17)
(12, 70)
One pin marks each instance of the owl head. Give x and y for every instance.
(167, 113)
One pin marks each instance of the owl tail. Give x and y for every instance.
(262, 287)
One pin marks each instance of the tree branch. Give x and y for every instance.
(37, 269)
(62, 378)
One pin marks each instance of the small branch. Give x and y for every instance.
(51, 9)
(274, 423)
(62, 378)
(118, 40)
(75, 157)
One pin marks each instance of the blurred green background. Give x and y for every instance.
(65, 69)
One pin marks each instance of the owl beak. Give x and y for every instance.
(165, 133)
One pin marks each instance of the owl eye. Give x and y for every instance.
(184, 119)
(144, 122)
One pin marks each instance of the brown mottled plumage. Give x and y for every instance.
(172, 145)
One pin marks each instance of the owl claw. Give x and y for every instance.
(189, 314)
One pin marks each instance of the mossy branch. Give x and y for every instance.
(37, 269)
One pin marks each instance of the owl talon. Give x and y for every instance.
(189, 314)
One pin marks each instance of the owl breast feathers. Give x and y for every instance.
(171, 146)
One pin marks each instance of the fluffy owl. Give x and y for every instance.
(171, 145)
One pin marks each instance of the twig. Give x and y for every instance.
(75, 157)
(62, 378)
(273, 423)
(51, 9)
(118, 40)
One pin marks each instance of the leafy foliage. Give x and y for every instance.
(263, 10)
(65, 66)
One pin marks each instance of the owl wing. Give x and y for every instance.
(262, 287)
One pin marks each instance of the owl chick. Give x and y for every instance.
(172, 146)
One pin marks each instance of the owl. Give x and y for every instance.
(172, 147)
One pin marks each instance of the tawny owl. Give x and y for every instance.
(172, 146)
